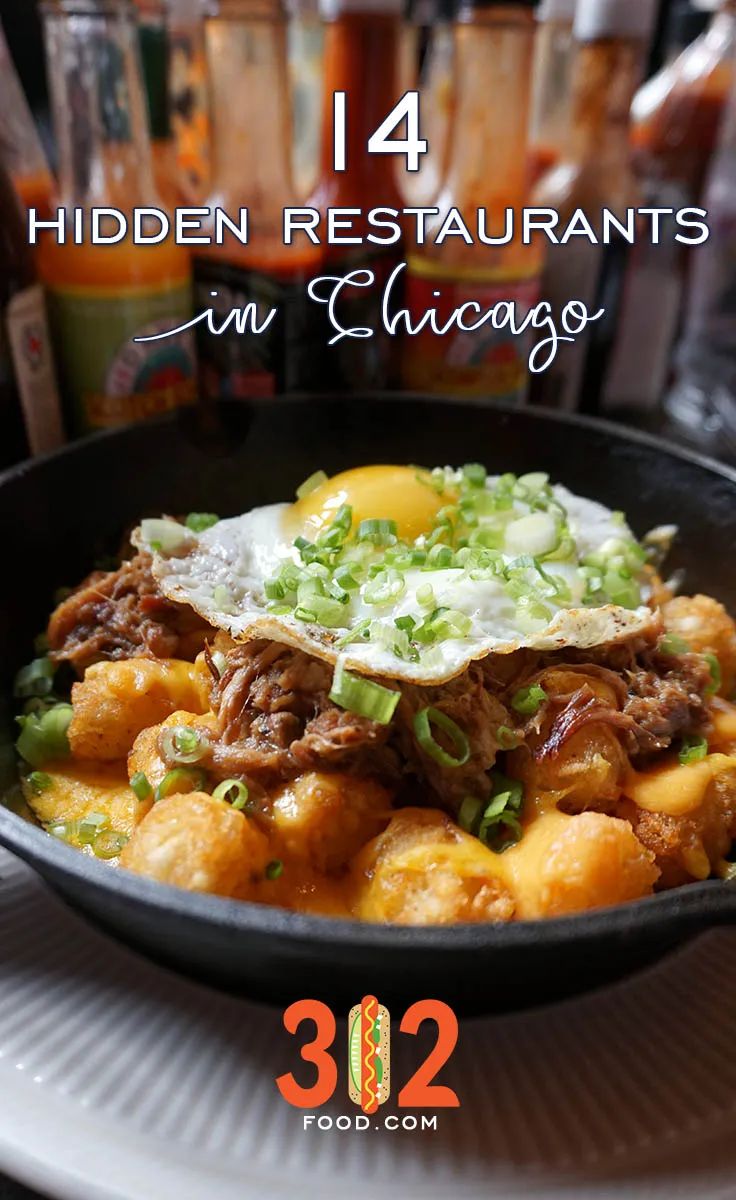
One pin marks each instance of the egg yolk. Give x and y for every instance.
(392, 493)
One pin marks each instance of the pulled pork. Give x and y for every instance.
(659, 697)
(276, 719)
(121, 614)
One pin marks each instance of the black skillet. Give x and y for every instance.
(58, 515)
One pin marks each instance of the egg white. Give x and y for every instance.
(221, 574)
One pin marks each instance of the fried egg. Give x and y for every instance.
(411, 574)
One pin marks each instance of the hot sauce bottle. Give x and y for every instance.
(676, 115)
(594, 172)
(21, 146)
(251, 148)
(487, 169)
(189, 93)
(154, 43)
(101, 297)
(550, 111)
(30, 416)
(362, 58)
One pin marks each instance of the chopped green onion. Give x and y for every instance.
(140, 785)
(184, 745)
(362, 696)
(715, 674)
(475, 474)
(672, 643)
(694, 747)
(507, 738)
(378, 532)
(426, 596)
(109, 843)
(499, 827)
(223, 598)
(39, 782)
(469, 813)
(535, 534)
(36, 679)
(423, 721)
(43, 736)
(90, 826)
(528, 700)
(181, 781)
(164, 535)
(274, 869)
(321, 610)
(198, 522)
(233, 791)
(311, 484)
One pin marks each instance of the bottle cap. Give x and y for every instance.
(614, 18)
(556, 10)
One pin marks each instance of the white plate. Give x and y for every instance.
(119, 1081)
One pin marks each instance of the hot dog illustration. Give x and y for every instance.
(369, 1054)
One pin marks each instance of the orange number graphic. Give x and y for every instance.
(420, 1092)
(315, 1052)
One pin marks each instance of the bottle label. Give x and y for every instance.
(30, 350)
(285, 356)
(487, 361)
(107, 377)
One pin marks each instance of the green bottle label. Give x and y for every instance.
(108, 378)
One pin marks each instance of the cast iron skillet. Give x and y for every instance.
(57, 515)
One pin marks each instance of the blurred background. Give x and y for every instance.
(567, 104)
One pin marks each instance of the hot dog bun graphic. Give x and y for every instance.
(369, 1054)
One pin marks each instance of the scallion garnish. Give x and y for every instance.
(109, 843)
(672, 643)
(694, 747)
(183, 745)
(233, 791)
(43, 736)
(36, 679)
(423, 722)
(715, 674)
(140, 785)
(507, 738)
(164, 536)
(198, 522)
(181, 781)
(495, 821)
(90, 826)
(39, 782)
(274, 869)
(378, 532)
(311, 484)
(528, 700)
(362, 696)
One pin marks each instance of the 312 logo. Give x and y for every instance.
(369, 1055)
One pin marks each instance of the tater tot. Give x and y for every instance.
(587, 770)
(568, 864)
(686, 815)
(146, 758)
(74, 790)
(325, 819)
(708, 629)
(116, 700)
(198, 843)
(423, 870)
(586, 773)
